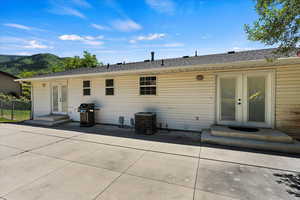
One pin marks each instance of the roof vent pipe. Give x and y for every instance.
(152, 55)
(162, 63)
(196, 53)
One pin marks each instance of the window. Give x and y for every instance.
(148, 85)
(86, 88)
(109, 87)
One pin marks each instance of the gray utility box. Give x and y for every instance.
(145, 123)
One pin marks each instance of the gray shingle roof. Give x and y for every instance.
(176, 62)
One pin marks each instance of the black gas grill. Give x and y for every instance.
(87, 114)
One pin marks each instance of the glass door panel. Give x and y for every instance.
(228, 98)
(256, 90)
(55, 98)
(64, 98)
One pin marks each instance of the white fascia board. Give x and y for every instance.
(205, 67)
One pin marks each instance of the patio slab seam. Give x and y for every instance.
(148, 150)
(90, 165)
(197, 174)
(121, 173)
(51, 135)
(38, 178)
(77, 162)
(13, 155)
(4, 145)
(258, 166)
(198, 189)
(29, 150)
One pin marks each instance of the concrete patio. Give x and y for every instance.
(111, 163)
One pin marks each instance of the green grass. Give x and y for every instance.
(19, 115)
(6, 120)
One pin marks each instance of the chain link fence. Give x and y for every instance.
(15, 110)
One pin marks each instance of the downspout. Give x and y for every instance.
(32, 101)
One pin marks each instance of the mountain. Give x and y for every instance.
(38, 62)
(8, 58)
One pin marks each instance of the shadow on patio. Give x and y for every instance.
(167, 136)
(163, 136)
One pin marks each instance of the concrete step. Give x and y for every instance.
(293, 147)
(262, 134)
(46, 123)
(52, 117)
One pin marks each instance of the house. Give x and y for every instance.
(8, 85)
(255, 88)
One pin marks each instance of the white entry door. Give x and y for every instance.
(245, 99)
(59, 98)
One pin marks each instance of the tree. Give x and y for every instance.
(88, 60)
(278, 24)
(72, 63)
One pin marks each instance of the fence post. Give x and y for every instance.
(12, 110)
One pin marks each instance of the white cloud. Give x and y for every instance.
(100, 27)
(94, 43)
(152, 36)
(64, 10)
(126, 25)
(19, 26)
(70, 37)
(82, 3)
(75, 37)
(162, 6)
(90, 40)
(99, 37)
(33, 44)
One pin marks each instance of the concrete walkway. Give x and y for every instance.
(74, 163)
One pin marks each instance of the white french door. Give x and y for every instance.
(59, 98)
(245, 99)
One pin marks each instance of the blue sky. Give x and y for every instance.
(125, 30)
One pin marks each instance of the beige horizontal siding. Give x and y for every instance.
(41, 98)
(288, 99)
(182, 102)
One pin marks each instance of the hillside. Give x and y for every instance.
(38, 62)
(8, 58)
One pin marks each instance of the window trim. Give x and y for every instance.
(110, 87)
(145, 86)
(84, 88)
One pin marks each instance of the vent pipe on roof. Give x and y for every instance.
(152, 55)
(162, 63)
(196, 53)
